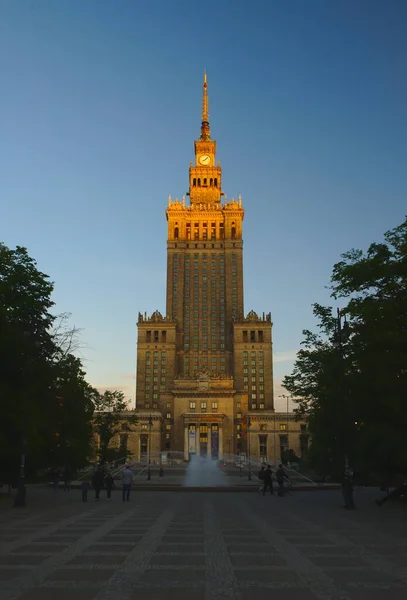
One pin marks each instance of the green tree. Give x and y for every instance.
(375, 285)
(110, 418)
(26, 348)
(354, 395)
(70, 430)
(36, 370)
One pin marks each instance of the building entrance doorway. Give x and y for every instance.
(215, 442)
(204, 440)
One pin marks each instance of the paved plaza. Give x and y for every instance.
(202, 545)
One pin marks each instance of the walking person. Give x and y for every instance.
(97, 482)
(268, 480)
(84, 489)
(127, 480)
(280, 476)
(109, 484)
(261, 478)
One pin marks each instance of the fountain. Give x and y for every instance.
(203, 472)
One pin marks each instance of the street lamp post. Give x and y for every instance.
(288, 421)
(249, 424)
(341, 334)
(150, 423)
(275, 448)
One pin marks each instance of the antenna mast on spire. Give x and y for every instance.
(205, 129)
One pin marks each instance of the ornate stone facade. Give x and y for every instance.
(204, 365)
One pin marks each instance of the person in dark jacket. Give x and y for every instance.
(268, 480)
(280, 476)
(109, 484)
(260, 475)
(97, 482)
(85, 489)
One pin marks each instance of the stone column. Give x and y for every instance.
(197, 440)
(186, 442)
(220, 443)
(209, 451)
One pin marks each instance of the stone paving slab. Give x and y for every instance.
(203, 546)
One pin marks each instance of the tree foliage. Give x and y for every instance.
(45, 402)
(355, 395)
(110, 419)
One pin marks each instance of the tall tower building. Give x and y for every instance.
(204, 366)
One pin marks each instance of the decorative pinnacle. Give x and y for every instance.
(205, 129)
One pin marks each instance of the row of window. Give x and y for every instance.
(154, 336)
(204, 257)
(204, 405)
(204, 245)
(253, 336)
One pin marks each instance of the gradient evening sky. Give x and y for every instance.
(99, 107)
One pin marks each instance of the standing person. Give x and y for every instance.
(85, 489)
(97, 482)
(280, 476)
(268, 480)
(261, 478)
(127, 480)
(109, 484)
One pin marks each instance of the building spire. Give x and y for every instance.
(205, 129)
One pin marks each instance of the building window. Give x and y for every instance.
(168, 426)
(283, 427)
(214, 406)
(283, 444)
(168, 416)
(144, 427)
(263, 427)
(254, 406)
(143, 444)
(192, 405)
(263, 446)
(203, 405)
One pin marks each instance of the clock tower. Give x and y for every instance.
(205, 177)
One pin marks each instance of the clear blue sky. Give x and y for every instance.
(100, 104)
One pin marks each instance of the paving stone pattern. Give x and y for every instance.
(203, 546)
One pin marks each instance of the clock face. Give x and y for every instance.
(204, 159)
